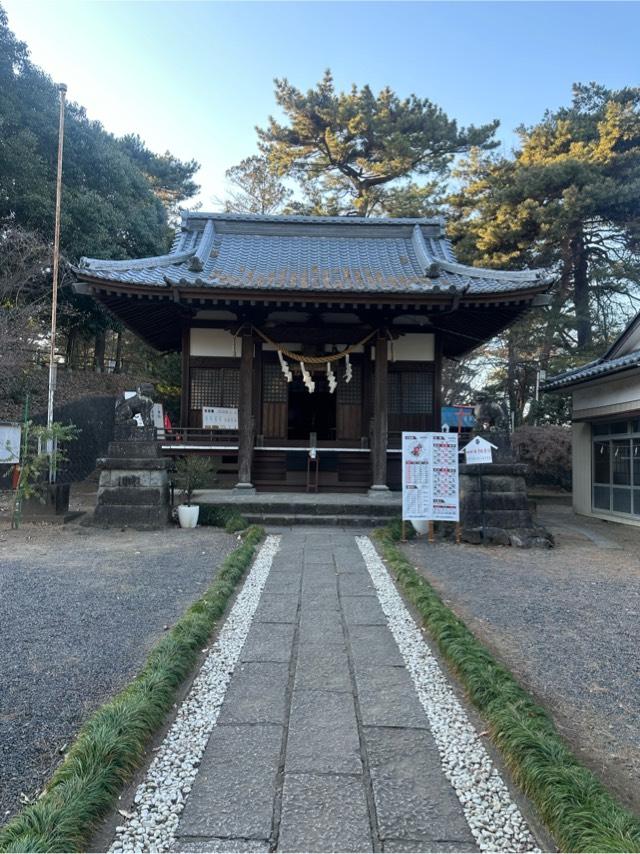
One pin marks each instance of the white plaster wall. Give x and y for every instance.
(581, 467)
(607, 396)
(213, 342)
(414, 347)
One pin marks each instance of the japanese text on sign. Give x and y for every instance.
(222, 417)
(430, 476)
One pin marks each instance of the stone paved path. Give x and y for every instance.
(320, 721)
(321, 743)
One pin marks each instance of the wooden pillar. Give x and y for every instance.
(245, 413)
(380, 418)
(437, 385)
(185, 378)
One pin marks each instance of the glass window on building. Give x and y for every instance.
(616, 466)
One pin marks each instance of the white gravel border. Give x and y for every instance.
(494, 819)
(160, 798)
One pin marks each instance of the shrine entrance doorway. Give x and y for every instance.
(311, 413)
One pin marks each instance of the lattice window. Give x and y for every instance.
(349, 393)
(214, 387)
(411, 393)
(274, 385)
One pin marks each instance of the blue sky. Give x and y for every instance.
(196, 77)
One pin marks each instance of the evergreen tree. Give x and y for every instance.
(255, 188)
(569, 200)
(350, 150)
(115, 192)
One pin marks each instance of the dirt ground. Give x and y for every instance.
(565, 621)
(80, 608)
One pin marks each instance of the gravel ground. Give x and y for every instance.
(565, 621)
(80, 609)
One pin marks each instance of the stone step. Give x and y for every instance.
(341, 521)
(364, 508)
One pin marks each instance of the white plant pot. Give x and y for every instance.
(188, 515)
(420, 525)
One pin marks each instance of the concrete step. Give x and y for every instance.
(342, 520)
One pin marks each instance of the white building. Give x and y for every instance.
(606, 430)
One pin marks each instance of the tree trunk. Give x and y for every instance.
(118, 360)
(512, 391)
(98, 353)
(71, 348)
(553, 317)
(581, 290)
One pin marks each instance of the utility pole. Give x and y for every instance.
(62, 89)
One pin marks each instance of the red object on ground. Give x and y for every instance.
(15, 477)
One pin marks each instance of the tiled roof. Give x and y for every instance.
(592, 370)
(349, 254)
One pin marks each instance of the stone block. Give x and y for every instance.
(388, 698)
(256, 694)
(373, 645)
(233, 793)
(148, 516)
(206, 844)
(268, 642)
(318, 626)
(324, 813)
(323, 665)
(362, 611)
(413, 798)
(277, 608)
(132, 496)
(133, 448)
(356, 584)
(323, 734)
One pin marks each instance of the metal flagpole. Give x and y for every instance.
(62, 89)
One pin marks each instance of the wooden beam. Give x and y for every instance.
(245, 413)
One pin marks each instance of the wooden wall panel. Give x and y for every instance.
(274, 420)
(348, 421)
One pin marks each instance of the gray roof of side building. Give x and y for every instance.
(593, 370)
(348, 254)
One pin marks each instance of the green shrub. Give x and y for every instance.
(222, 516)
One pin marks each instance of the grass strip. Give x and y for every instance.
(579, 811)
(112, 744)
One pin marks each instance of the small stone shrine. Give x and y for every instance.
(133, 489)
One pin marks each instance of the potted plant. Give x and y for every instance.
(40, 453)
(192, 472)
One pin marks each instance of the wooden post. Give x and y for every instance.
(380, 418)
(432, 538)
(245, 413)
(185, 378)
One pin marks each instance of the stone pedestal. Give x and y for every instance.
(494, 507)
(133, 489)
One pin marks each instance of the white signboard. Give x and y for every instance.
(479, 450)
(157, 416)
(222, 417)
(430, 477)
(10, 443)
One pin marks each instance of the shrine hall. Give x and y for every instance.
(301, 337)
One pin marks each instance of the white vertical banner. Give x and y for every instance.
(445, 480)
(430, 477)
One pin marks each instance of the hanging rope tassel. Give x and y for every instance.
(349, 370)
(331, 377)
(286, 370)
(307, 378)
